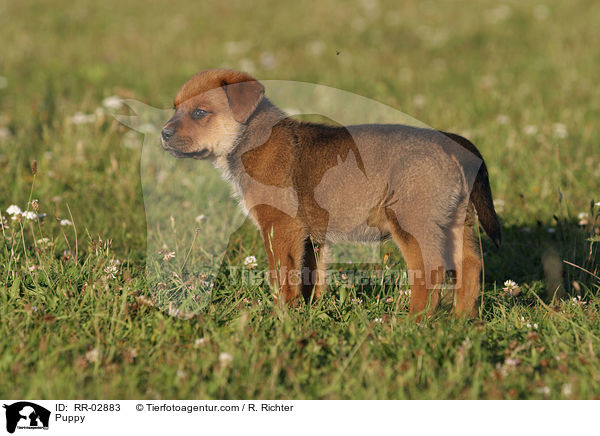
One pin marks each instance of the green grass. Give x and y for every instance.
(511, 76)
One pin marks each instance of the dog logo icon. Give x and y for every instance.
(26, 415)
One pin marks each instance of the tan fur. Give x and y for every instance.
(307, 185)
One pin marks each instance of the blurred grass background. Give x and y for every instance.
(517, 78)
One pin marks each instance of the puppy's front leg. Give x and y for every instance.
(284, 239)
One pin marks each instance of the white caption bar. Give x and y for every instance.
(297, 417)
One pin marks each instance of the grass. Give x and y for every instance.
(517, 78)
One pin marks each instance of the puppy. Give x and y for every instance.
(308, 185)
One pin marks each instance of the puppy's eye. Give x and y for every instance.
(198, 114)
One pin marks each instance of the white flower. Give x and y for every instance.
(111, 271)
(511, 287)
(93, 355)
(169, 255)
(250, 262)
(379, 320)
(112, 102)
(81, 118)
(65, 223)
(30, 215)
(45, 242)
(530, 130)
(583, 218)
(200, 218)
(225, 358)
(13, 209)
(560, 130)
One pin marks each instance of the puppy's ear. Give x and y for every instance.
(244, 93)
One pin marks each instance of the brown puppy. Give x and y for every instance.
(306, 185)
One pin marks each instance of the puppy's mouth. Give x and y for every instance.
(200, 154)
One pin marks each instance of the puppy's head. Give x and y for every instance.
(210, 111)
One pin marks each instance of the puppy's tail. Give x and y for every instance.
(481, 194)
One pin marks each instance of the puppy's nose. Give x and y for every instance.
(167, 133)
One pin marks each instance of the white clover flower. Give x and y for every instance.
(13, 209)
(225, 358)
(250, 262)
(578, 301)
(30, 215)
(45, 242)
(65, 223)
(530, 129)
(112, 102)
(111, 271)
(93, 355)
(560, 130)
(511, 288)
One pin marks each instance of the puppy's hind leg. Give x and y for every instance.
(467, 258)
(425, 294)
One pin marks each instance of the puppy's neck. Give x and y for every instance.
(254, 133)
